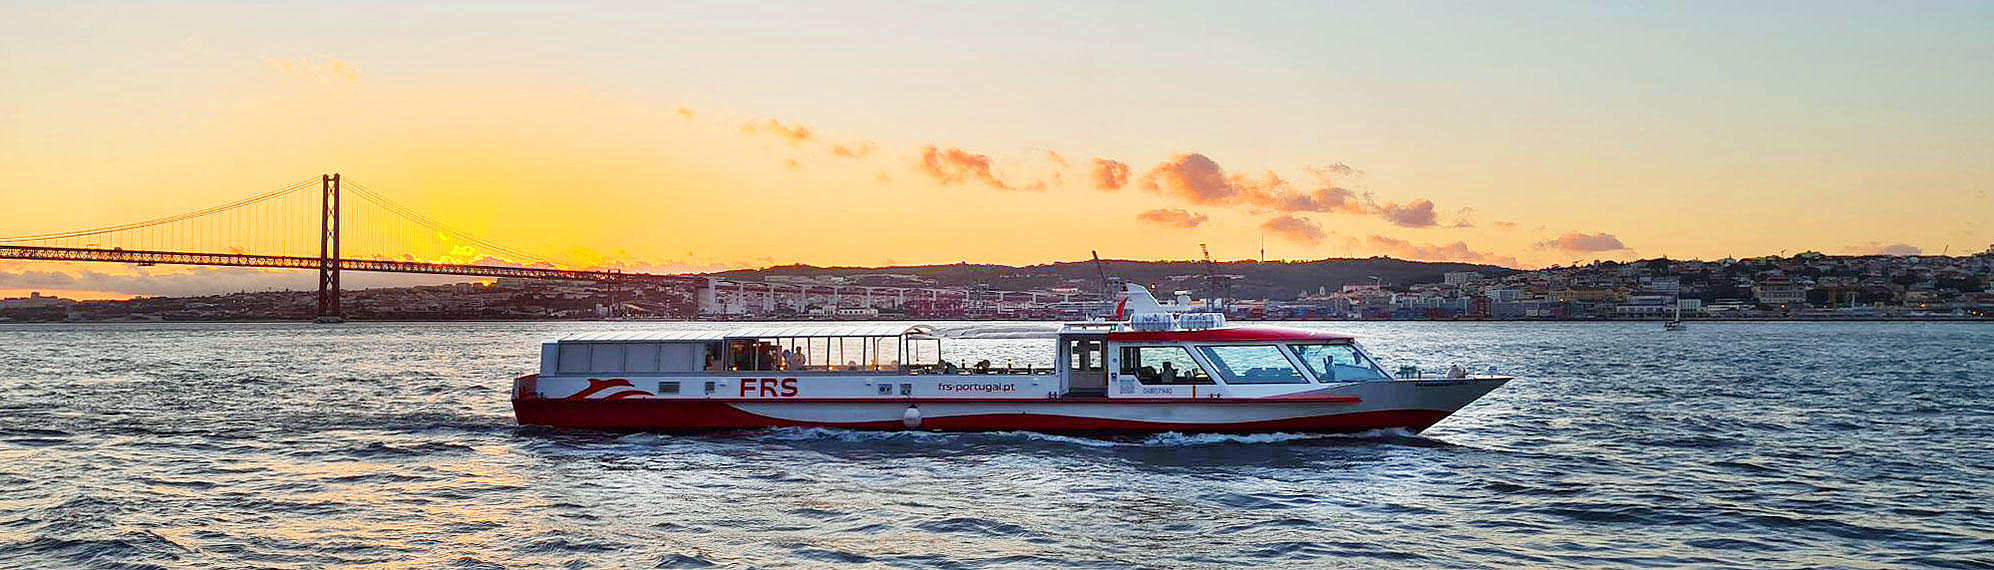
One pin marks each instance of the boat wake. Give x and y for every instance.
(1166, 439)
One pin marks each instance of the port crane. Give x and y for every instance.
(1212, 285)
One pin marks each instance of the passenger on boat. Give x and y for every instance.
(1457, 372)
(983, 366)
(1169, 373)
(792, 360)
(948, 367)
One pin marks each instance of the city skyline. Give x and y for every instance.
(704, 137)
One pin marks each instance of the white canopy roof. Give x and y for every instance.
(870, 329)
(821, 331)
(646, 336)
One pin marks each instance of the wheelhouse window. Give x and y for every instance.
(1253, 365)
(1338, 363)
(1162, 365)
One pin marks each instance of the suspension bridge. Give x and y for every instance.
(274, 229)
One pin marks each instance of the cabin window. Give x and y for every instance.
(1253, 365)
(1162, 365)
(606, 358)
(641, 358)
(574, 357)
(671, 387)
(1338, 363)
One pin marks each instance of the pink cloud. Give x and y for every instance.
(1880, 248)
(856, 150)
(1057, 158)
(1298, 230)
(956, 166)
(1415, 214)
(1110, 174)
(1575, 242)
(1457, 251)
(794, 134)
(1174, 217)
(1192, 177)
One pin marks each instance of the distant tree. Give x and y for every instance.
(1961, 283)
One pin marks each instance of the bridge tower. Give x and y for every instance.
(328, 251)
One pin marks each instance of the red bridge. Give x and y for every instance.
(390, 238)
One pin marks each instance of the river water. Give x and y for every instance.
(300, 446)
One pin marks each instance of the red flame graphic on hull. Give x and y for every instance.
(610, 389)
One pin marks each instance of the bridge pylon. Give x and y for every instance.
(328, 251)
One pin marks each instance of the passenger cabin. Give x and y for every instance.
(869, 349)
(1191, 355)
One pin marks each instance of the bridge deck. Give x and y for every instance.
(289, 262)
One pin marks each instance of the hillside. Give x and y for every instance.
(1257, 279)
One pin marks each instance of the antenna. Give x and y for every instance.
(1263, 246)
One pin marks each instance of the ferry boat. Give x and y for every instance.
(1161, 369)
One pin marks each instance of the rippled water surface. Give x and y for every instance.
(280, 445)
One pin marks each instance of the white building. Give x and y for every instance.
(1461, 277)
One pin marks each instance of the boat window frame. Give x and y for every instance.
(1355, 348)
(873, 354)
(1122, 367)
(1225, 374)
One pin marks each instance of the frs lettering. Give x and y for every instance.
(768, 387)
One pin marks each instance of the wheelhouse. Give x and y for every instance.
(1216, 362)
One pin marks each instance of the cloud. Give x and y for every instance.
(857, 150)
(1415, 214)
(1880, 248)
(1457, 251)
(1173, 217)
(1462, 218)
(685, 113)
(1327, 200)
(956, 166)
(794, 134)
(1502, 225)
(1110, 174)
(1336, 168)
(1193, 177)
(1197, 179)
(332, 70)
(1298, 230)
(1057, 158)
(1577, 242)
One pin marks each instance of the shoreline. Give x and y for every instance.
(1049, 321)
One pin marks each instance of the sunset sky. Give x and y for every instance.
(694, 136)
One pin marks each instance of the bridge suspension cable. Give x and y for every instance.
(287, 190)
(411, 215)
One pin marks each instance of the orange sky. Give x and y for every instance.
(709, 137)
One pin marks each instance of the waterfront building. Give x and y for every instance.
(1779, 291)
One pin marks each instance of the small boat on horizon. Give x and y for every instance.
(1161, 369)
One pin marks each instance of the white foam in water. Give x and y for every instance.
(1175, 439)
(1166, 439)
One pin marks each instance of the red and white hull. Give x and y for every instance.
(1402, 404)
